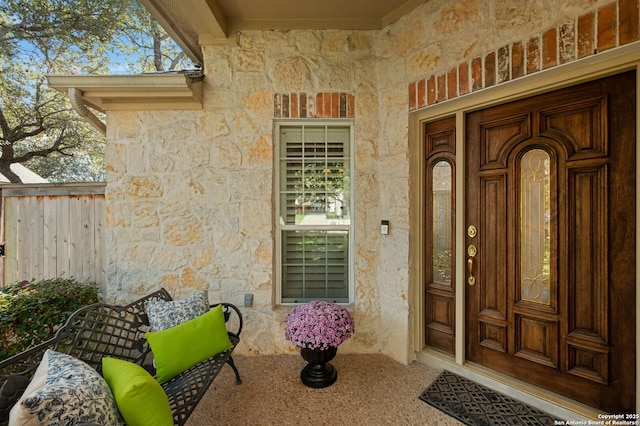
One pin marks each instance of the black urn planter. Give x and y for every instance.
(318, 373)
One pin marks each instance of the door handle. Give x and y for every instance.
(471, 251)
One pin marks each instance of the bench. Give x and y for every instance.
(102, 330)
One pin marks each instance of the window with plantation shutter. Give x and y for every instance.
(314, 228)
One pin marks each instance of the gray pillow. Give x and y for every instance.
(163, 314)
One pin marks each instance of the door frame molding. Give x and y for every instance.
(594, 67)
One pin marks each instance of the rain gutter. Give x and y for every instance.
(75, 97)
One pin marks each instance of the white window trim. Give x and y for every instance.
(278, 226)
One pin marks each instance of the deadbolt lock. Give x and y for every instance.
(472, 231)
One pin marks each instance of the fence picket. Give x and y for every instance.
(54, 230)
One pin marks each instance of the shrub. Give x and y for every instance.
(31, 312)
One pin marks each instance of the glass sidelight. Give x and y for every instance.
(439, 239)
(441, 202)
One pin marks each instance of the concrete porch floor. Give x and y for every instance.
(370, 390)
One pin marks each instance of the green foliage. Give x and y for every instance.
(145, 46)
(50, 24)
(38, 127)
(41, 37)
(31, 312)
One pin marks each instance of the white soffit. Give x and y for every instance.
(195, 22)
(134, 92)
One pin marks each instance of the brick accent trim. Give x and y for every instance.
(612, 25)
(314, 105)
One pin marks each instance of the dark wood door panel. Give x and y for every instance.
(554, 299)
(439, 285)
(496, 135)
(565, 122)
(587, 248)
(536, 339)
(493, 268)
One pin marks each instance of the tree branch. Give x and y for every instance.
(58, 146)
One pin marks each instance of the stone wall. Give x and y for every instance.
(190, 193)
(557, 38)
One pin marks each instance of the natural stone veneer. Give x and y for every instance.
(614, 24)
(190, 193)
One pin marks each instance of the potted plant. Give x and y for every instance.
(318, 328)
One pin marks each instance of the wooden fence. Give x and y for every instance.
(53, 230)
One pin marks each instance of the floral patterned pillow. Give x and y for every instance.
(163, 315)
(71, 393)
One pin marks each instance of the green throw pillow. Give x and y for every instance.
(179, 348)
(140, 399)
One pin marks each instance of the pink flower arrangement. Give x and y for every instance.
(319, 325)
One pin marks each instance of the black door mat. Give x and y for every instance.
(477, 405)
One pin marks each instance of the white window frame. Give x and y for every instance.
(279, 226)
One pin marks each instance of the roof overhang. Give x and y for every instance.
(194, 23)
(186, 20)
(103, 93)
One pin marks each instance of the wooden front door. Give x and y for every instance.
(550, 194)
